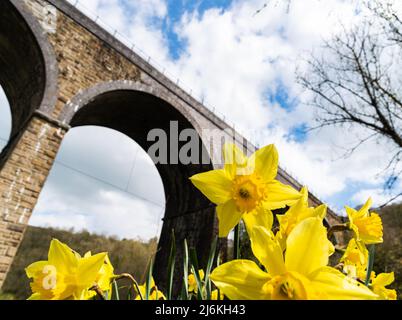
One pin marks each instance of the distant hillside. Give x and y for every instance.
(130, 256)
(388, 256)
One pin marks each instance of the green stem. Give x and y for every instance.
(116, 289)
(236, 249)
(370, 263)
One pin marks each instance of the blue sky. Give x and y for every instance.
(176, 9)
(244, 65)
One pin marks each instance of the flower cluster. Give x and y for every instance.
(293, 256)
(68, 276)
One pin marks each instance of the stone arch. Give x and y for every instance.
(28, 67)
(134, 108)
(86, 96)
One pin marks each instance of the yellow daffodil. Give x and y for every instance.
(355, 260)
(379, 283)
(155, 294)
(214, 295)
(192, 282)
(296, 213)
(246, 188)
(366, 226)
(65, 275)
(104, 277)
(301, 274)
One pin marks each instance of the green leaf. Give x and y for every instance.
(129, 296)
(171, 264)
(236, 249)
(185, 272)
(195, 270)
(370, 264)
(116, 290)
(210, 263)
(148, 281)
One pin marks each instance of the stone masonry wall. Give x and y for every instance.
(21, 181)
(85, 61)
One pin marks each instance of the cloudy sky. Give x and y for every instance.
(244, 65)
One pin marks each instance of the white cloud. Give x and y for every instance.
(138, 21)
(378, 196)
(235, 59)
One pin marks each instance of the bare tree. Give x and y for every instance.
(357, 81)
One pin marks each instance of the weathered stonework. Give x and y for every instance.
(85, 61)
(80, 75)
(21, 180)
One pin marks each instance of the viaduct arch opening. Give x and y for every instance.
(28, 68)
(104, 183)
(135, 113)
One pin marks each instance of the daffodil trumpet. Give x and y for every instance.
(366, 225)
(246, 188)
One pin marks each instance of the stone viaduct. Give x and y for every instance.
(59, 69)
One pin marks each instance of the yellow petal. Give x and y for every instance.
(88, 269)
(215, 185)
(234, 158)
(37, 267)
(280, 195)
(105, 275)
(228, 217)
(152, 284)
(62, 257)
(240, 280)
(215, 296)
(320, 211)
(384, 279)
(333, 285)
(142, 292)
(351, 213)
(307, 247)
(385, 294)
(201, 273)
(356, 254)
(331, 248)
(366, 207)
(265, 162)
(157, 295)
(297, 213)
(300, 205)
(267, 250)
(259, 217)
(35, 296)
